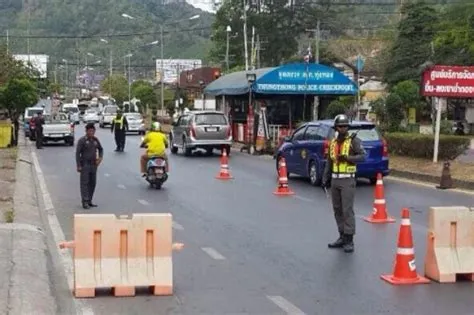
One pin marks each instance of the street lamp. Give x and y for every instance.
(228, 30)
(129, 83)
(251, 78)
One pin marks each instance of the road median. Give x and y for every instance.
(27, 285)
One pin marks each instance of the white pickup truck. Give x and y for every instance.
(57, 127)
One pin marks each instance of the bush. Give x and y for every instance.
(421, 146)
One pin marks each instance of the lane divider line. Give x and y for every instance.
(121, 186)
(213, 253)
(304, 198)
(285, 305)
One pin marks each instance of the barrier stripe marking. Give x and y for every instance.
(285, 305)
(121, 186)
(177, 226)
(143, 202)
(213, 253)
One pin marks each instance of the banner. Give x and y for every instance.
(448, 81)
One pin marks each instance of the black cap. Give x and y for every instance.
(90, 126)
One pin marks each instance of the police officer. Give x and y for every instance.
(344, 152)
(39, 122)
(120, 126)
(89, 154)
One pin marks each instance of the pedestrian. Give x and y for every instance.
(120, 126)
(39, 122)
(344, 152)
(89, 154)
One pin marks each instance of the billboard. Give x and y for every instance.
(38, 62)
(173, 67)
(448, 81)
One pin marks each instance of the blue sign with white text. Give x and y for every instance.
(304, 78)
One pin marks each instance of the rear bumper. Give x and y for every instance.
(51, 138)
(208, 143)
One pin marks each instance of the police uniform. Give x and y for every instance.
(340, 173)
(120, 126)
(39, 122)
(87, 150)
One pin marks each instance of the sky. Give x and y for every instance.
(206, 5)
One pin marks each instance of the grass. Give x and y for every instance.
(460, 171)
(9, 216)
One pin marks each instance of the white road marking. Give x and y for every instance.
(58, 234)
(213, 253)
(143, 202)
(107, 175)
(121, 186)
(285, 305)
(177, 226)
(304, 198)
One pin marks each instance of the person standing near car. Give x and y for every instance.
(39, 122)
(344, 152)
(89, 154)
(120, 126)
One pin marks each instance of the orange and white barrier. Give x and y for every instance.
(122, 253)
(450, 245)
(404, 271)
(379, 214)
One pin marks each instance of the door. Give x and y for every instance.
(294, 155)
(178, 130)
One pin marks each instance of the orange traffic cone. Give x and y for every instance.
(405, 269)
(379, 215)
(282, 188)
(224, 173)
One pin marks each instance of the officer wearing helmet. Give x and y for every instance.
(344, 152)
(156, 143)
(119, 126)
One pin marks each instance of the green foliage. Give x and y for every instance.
(54, 88)
(395, 111)
(145, 93)
(116, 86)
(335, 108)
(421, 146)
(412, 46)
(409, 93)
(18, 94)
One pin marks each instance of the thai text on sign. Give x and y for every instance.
(448, 81)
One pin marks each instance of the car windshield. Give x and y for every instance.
(133, 116)
(210, 119)
(367, 133)
(91, 111)
(110, 110)
(32, 112)
(71, 109)
(56, 119)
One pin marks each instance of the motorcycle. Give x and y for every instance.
(156, 174)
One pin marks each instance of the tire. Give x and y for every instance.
(209, 151)
(174, 150)
(373, 180)
(314, 177)
(187, 151)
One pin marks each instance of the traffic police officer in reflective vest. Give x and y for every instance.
(344, 152)
(120, 126)
(89, 153)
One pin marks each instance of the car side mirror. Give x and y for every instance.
(287, 139)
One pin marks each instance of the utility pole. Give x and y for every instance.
(317, 39)
(252, 49)
(258, 51)
(162, 74)
(28, 34)
(8, 43)
(228, 30)
(246, 53)
(129, 82)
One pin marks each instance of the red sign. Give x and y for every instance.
(448, 81)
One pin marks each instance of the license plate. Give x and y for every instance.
(56, 136)
(211, 129)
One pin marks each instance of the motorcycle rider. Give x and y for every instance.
(156, 143)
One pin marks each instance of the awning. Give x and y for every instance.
(304, 78)
(234, 83)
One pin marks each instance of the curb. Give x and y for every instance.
(30, 288)
(460, 184)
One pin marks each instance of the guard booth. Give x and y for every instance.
(279, 97)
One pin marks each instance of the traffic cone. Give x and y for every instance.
(379, 215)
(282, 188)
(224, 172)
(405, 269)
(446, 181)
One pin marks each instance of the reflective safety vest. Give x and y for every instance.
(118, 121)
(344, 149)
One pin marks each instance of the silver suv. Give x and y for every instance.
(206, 130)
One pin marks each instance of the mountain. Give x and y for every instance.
(72, 30)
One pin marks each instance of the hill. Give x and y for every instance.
(73, 29)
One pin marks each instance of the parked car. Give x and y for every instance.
(206, 130)
(73, 112)
(28, 126)
(91, 115)
(135, 123)
(58, 128)
(107, 115)
(306, 151)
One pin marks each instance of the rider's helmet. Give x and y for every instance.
(155, 126)
(341, 121)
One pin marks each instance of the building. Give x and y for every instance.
(194, 81)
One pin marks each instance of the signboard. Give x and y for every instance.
(305, 78)
(173, 67)
(448, 81)
(38, 62)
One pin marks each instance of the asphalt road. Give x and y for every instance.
(248, 251)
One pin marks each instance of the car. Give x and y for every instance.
(107, 115)
(57, 127)
(204, 129)
(306, 150)
(135, 123)
(73, 113)
(91, 115)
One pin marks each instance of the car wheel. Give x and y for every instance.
(373, 180)
(187, 151)
(314, 177)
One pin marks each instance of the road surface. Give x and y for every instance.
(248, 251)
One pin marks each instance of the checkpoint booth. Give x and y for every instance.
(277, 99)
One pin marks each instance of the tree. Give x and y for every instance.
(18, 94)
(409, 93)
(395, 111)
(116, 86)
(412, 46)
(145, 93)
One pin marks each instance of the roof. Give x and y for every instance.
(352, 123)
(234, 83)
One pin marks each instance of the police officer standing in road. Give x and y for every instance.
(39, 122)
(89, 154)
(344, 152)
(120, 126)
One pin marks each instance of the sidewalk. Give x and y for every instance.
(26, 286)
